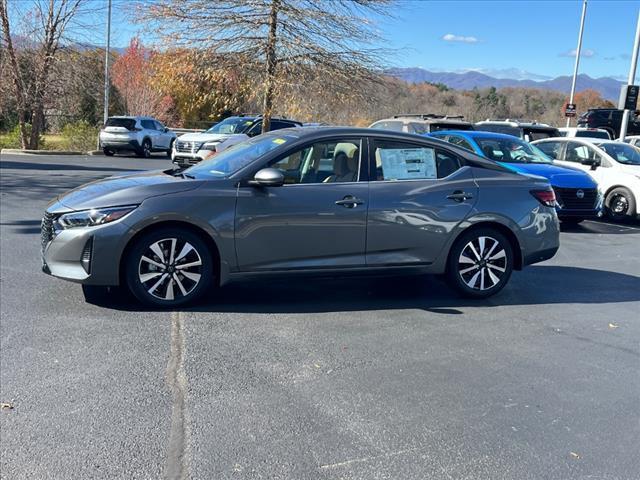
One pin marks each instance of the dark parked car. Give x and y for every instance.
(320, 200)
(527, 131)
(610, 119)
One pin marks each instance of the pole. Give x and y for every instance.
(632, 77)
(578, 50)
(106, 65)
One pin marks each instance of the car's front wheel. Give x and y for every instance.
(620, 204)
(480, 263)
(170, 151)
(169, 267)
(108, 152)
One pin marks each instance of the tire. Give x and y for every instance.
(620, 205)
(571, 220)
(472, 275)
(145, 149)
(108, 152)
(170, 151)
(158, 282)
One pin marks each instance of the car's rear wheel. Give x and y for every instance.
(620, 204)
(145, 149)
(169, 267)
(108, 152)
(480, 263)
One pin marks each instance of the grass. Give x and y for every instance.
(51, 141)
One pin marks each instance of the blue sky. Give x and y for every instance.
(536, 36)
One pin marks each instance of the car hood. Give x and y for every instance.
(122, 190)
(558, 176)
(210, 137)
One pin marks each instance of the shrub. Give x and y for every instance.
(11, 139)
(79, 136)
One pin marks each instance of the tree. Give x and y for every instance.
(590, 98)
(30, 66)
(278, 42)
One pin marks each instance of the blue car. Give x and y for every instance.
(576, 191)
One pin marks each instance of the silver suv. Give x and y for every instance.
(141, 135)
(420, 123)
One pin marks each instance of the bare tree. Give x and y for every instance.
(280, 41)
(31, 62)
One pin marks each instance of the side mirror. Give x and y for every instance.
(166, 129)
(268, 177)
(592, 162)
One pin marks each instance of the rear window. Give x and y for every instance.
(592, 134)
(128, 123)
(538, 134)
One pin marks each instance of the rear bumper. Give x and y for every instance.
(117, 145)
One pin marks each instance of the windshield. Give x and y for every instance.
(622, 152)
(232, 125)
(511, 151)
(440, 126)
(237, 157)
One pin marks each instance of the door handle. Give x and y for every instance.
(459, 196)
(349, 201)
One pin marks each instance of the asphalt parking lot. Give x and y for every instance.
(317, 379)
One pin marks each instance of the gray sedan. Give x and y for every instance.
(316, 200)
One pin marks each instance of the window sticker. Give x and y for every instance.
(408, 163)
(279, 141)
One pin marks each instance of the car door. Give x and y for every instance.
(417, 195)
(577, 153)
(317, 219)
(150, 132)
(164, 139)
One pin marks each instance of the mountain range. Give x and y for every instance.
(608, 87)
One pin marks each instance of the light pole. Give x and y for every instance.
(632, 77)
(578, 50)
(106, 65)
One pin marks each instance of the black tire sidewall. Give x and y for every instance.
(170, 151)
(453, 275)
(139, 248)
(630, 201)
(108, 152)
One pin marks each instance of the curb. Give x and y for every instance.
(18, 151)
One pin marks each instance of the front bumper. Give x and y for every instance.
(186, 159)
(85, 254)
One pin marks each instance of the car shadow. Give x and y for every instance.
(607, 228)
(9, 165)
(537, 285)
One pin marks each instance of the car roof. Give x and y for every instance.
(423, 119)
(592, 140)
(517, 124)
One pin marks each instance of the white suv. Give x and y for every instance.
(141, 135)
(420, 123)
(584, 132)
(614, 165)
(192, 148)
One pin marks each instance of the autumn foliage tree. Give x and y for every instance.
(131, 74)
(590, 98)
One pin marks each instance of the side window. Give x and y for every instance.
(406, 161)
(577, 153)
(255, 130)
(460, 142)
(417, 128)
(159, 126)
(277, 125)
(322, 162)
(148, 124)
(551, 149)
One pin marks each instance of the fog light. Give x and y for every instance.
(87, 251)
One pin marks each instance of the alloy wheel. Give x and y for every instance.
(619, 205)
(482, 263)
(170, 269)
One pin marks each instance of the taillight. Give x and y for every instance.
(545, 197)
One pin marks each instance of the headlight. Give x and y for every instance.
(90, 218)
(209, 146)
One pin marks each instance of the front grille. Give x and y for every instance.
(185, 146)
(46, 229)
(569, 198)
(186, 160)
